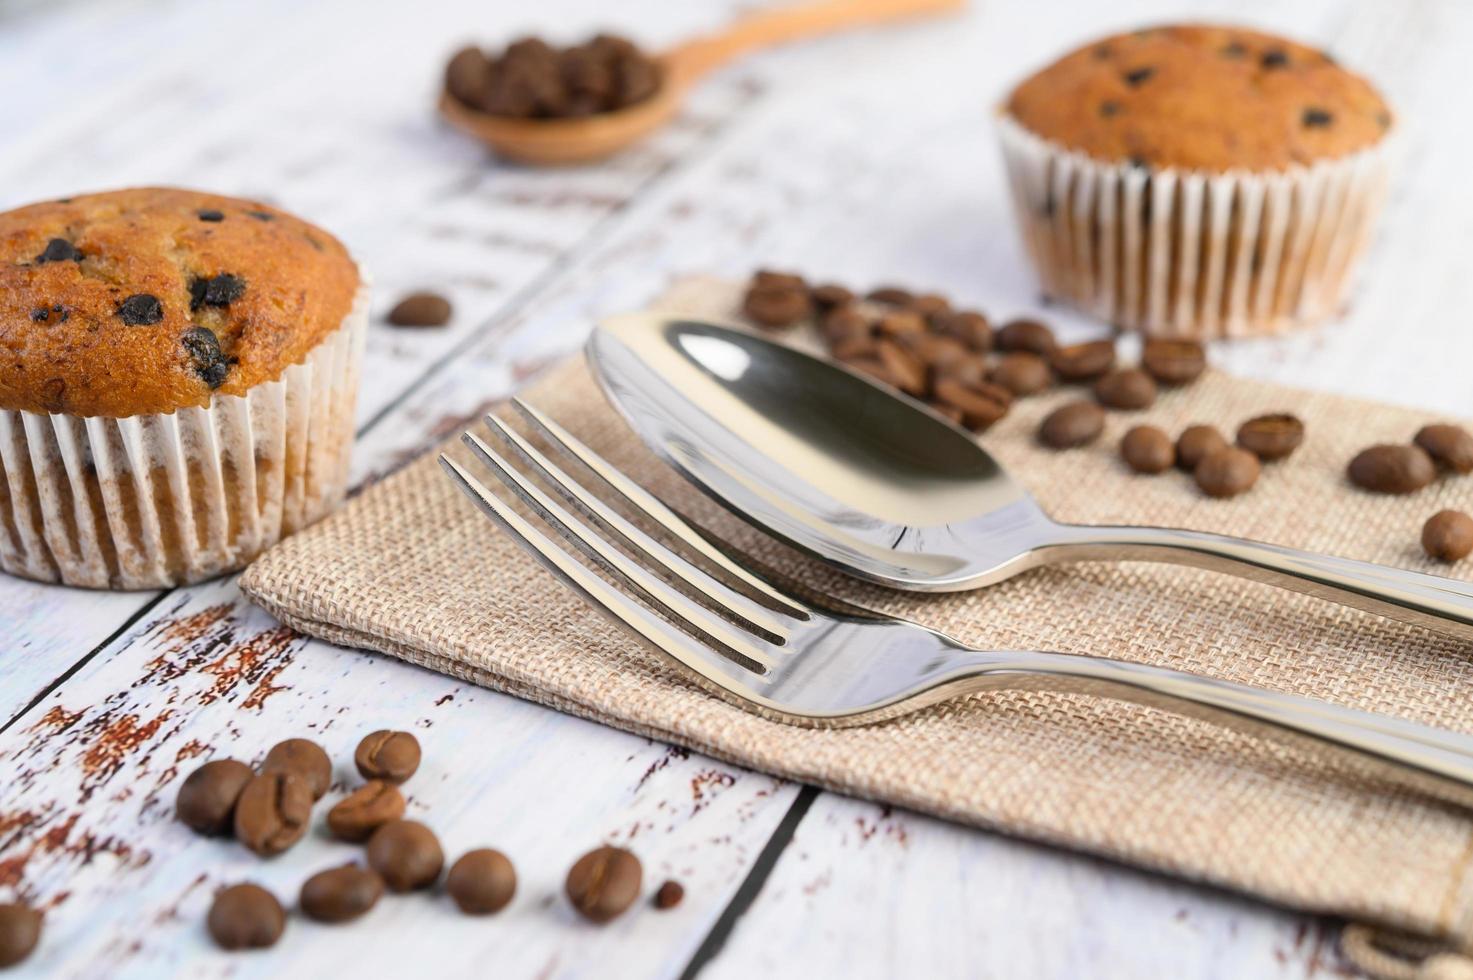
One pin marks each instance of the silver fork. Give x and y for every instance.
(772, 653)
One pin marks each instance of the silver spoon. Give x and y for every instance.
(884, 489)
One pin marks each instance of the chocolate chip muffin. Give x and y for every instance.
(1196, 180)
(177, 379)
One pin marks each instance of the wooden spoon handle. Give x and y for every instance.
(697, 57)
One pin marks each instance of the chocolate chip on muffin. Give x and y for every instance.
(221, 290)
(210, 214)
(205, 357)
(59, 250)
(141, 310)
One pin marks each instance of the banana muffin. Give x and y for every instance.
(1197, 180)
(177, 378)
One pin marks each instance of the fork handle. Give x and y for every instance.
(1437, 603)
(1402, 744)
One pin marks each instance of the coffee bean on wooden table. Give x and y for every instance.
(891, 295)
(1146, 449)
(421, 310)
(1448, 535)
(1196, 443)
(407, 854)
(604, 882)
(1026, 335)
(206, 801)
(20, 931)
(1081, 362)
(356, 816)
(968, 326)
(1129, 389)
(390, 756)
(1271, 437)
(340, 894)
(305, 758)
(1227, 472)
(1173, 362)
(482, 881)
(273, 812)
(669, 895)
(1392, 469)
(1072, 425)
(246, 917)
(981, 403)
(1022, 373)
(1450, 446)
(830, 296)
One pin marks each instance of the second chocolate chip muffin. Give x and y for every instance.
(177, 379)
(1197, 180)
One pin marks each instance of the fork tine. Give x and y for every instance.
(644, 502)
(729, 600)
(727, 674)
(713, 628)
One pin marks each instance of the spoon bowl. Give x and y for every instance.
(887, 490)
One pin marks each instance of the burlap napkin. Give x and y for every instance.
(412, 569)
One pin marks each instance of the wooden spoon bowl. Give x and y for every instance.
(552, 142)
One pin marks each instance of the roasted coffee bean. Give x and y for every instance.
(340, 894)
(855, 348)
(421, 310)
(206, 801)
(891, 295)
(1450, 446)
(635, 79)
(1392, 469)
(1448, 535)
(407, 854)
(830, 297)
(390, 756)
(1081, 362)
(468, 75)
(968, 326)
(482, 881)
(206, 358)
(356, 816)
(1196, 443)
(1022, 373)
(908, 370)
(1174, 362)
(669, 895)
(1227, 472)
(1072, 425)
(1146, 449)
(59, 250)
(305, 758)
(221, 290)
(141, 310)
(246, 917)
(981, 403)
(776, 306)
(1271, 437)
(604, 882)
(273, 812)
(1126, 388)
(210, 214)
(929, 305)
(898, 322)
(845, 322)
(940, 354)
(874, 367)
(1029, 336)
(774, 279)
(20, 931)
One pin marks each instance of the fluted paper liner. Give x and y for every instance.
(1190, 254)
(158, 500)
(413, 569)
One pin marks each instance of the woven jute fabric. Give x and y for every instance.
(412, 569)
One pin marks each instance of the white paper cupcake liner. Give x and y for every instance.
(158, 500)
(1189, 254)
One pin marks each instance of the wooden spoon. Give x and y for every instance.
(564, 141)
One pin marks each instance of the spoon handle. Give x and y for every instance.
(1431, 601)
(697, 57)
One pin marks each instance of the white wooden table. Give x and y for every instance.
(860, 158)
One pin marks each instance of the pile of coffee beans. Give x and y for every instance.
(269, 809)
(531, 79)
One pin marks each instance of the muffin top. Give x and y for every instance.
(1201, 98)
(148, 300)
